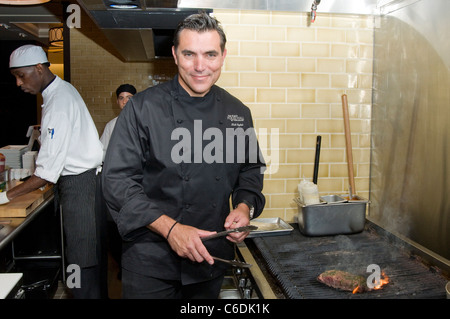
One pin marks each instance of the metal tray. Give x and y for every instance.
(277, 227)
(333, 199)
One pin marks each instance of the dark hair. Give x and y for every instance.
(126, 88)
(200, 22)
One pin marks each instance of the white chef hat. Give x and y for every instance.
(27, 55)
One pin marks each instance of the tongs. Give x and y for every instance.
(233, 263)
(234, 230)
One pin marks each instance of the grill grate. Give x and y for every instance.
(296, 261)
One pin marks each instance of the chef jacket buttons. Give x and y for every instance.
(179, 121)
(214, 205)
(217, 178)
(186, 178)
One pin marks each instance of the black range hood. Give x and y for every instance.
(142, 33)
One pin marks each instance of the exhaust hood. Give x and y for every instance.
(142, 30)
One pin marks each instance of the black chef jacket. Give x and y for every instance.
(166, 156)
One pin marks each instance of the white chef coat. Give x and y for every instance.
(69, 139)
(106, 136)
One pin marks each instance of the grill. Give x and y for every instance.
(293, 262)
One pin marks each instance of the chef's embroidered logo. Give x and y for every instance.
(235, 118)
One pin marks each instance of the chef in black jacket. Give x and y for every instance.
(179, 150)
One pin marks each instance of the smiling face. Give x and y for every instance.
(29, 78)
(199, 60)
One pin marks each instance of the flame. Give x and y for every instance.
(383, 281)
(356, 290)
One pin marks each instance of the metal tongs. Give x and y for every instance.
(234, 230)
(233, 263)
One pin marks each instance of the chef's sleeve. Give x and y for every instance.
(55, 140)
(122, 176)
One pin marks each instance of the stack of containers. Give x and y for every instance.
(13, 154)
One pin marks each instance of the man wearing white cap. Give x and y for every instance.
(69, 156)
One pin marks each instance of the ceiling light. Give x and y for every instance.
(22, 2)
(55, 36)
(123, 6)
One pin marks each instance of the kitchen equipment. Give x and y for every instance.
(348, 146)
(292, 264)
(333, 199)
(309, 194)
(234, 230)
(13, 155)
(346, 217)
(270, 227)
(10, 286)
(316, 159)
(23, 205)
(233, 263)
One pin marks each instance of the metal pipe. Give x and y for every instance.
(314, 9)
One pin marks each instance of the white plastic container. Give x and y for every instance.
(309, 194)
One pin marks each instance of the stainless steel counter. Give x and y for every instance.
(12, 226)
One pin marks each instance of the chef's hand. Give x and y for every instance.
(183, 239)
(186, 242)
(239, 217)
(3, 198)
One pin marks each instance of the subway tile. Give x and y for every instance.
(286, 171)
(254, 48)
(239, 64)
(289, 141)
(271, 95)
(287, 19)
(315, 111)
(273, 64)
(330, 35)
(285, 111)
(315, 50)
(254, 17)
(331, 65)
(285, 49)
(349, 81)
(301, 64)
(300, 34)
(274, 186)
(240, 32)
(344, 50)
(246, 95)
(252, 79)
(272, 33)
(300, 126)
(285, 79)
(271, 123)
(259, 110)
(315, 80)
(301, 95)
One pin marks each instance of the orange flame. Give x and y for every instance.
(383, 281)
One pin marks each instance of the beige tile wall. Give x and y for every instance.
(290, 74)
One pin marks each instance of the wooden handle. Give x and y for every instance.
(348, 145)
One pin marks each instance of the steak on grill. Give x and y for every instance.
(343, 280)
